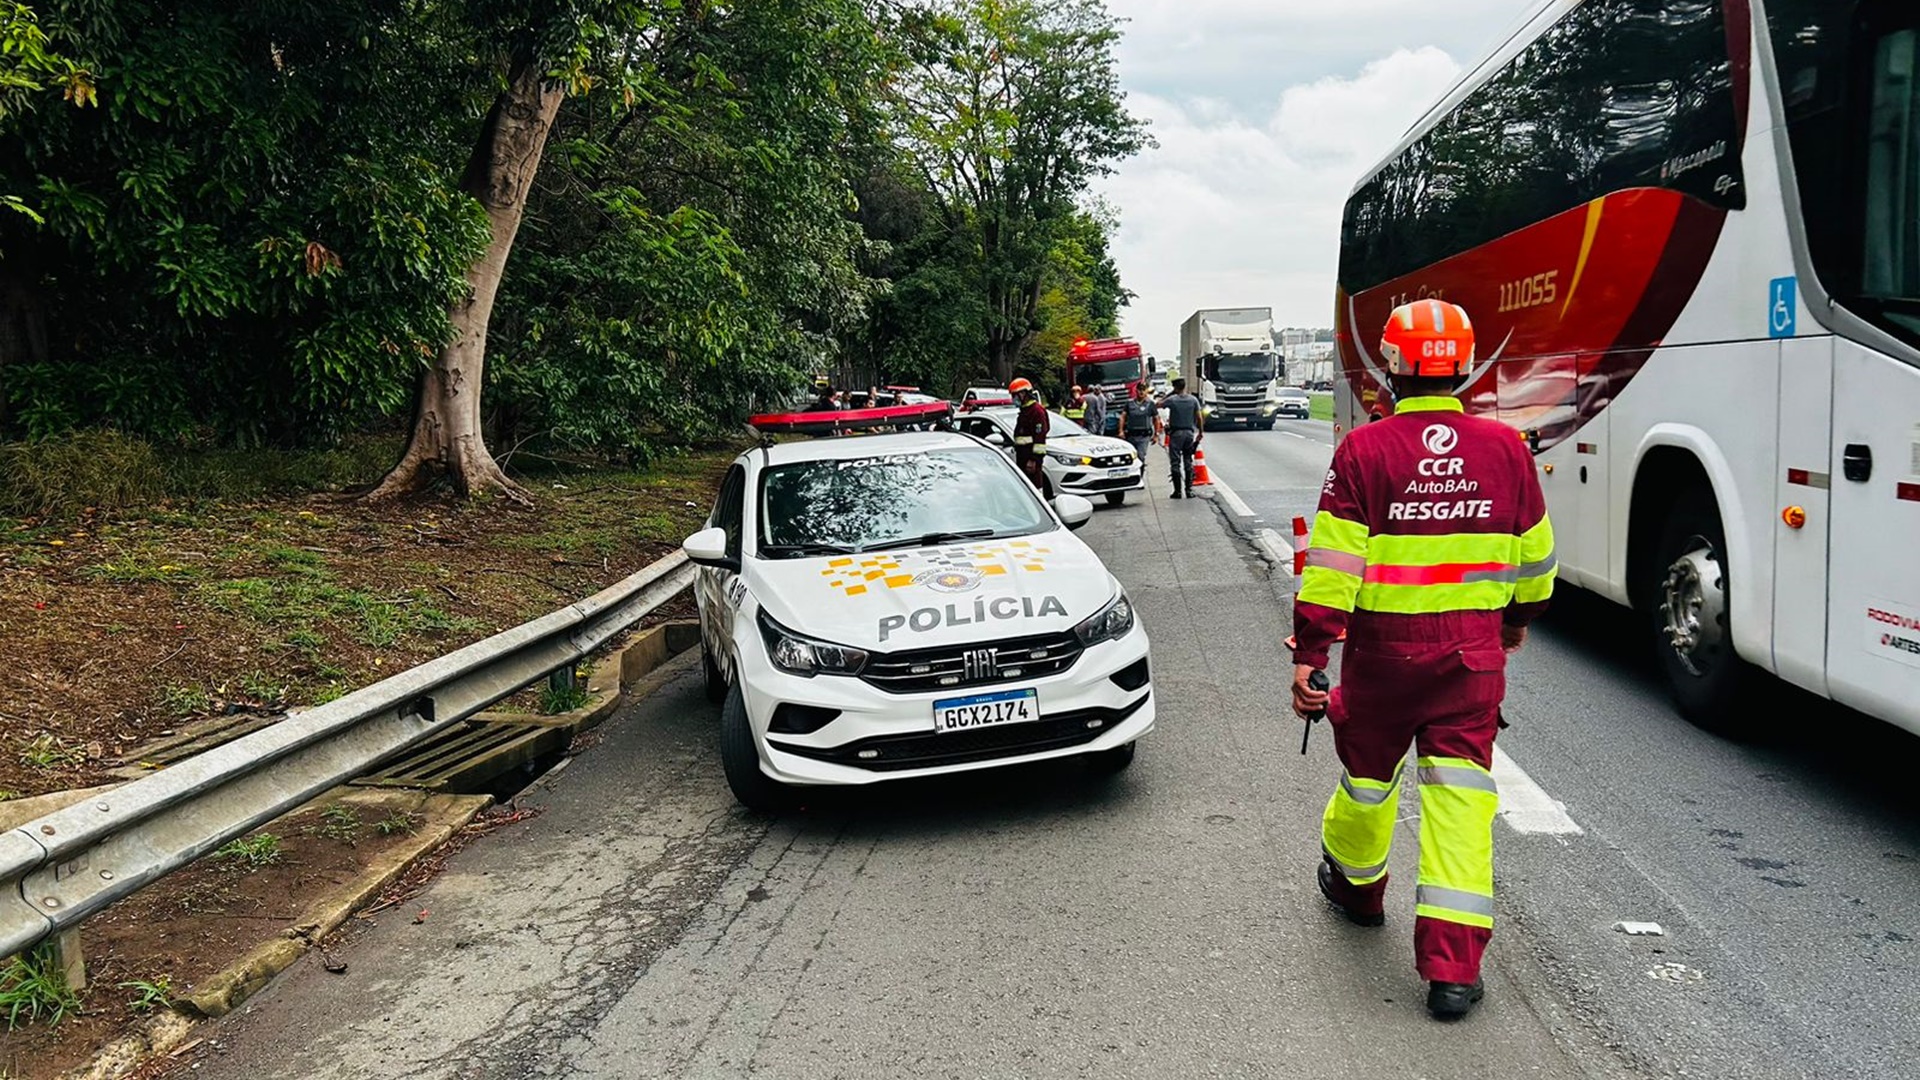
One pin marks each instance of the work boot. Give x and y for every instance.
(1358, 918)
(1452, 1001)
(1175, 495)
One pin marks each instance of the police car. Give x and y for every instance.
(879, 606)
(1078, 461)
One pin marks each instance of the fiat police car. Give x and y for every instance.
(879, 606)
(1078, 461)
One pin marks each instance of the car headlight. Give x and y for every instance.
(1110, 623)
(797, 655)
(1069, 459)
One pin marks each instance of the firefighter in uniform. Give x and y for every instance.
(1030, 436)
(1433, 551)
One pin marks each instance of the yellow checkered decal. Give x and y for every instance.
(855, 575)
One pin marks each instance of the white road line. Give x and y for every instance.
(1233, 500)
(1525, 806)
(1295, 434)
(1275, 548)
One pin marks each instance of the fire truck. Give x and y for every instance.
(1110, 366)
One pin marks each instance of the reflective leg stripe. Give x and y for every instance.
(1458, 801)
(1344, 561)
(1357, 830)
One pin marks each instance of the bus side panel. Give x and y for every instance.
(1873, 650)
(1698, 400)
(1800, 555)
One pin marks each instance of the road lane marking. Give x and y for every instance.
(1295, 434)
(1524, 805)
(1233, 500)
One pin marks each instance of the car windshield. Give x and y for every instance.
(1250, 368)
(817, 507)
(1060, 427)
(1109, 371)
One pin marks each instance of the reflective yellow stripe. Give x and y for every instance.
(1338, 534)
(1328, 587)
(1431, 599)
(1457, 806)
(1538, 564)
(1449, 548)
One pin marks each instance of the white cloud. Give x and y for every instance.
(1267, 112)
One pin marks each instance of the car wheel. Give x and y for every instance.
(740, 760)
(1267, 426)
(1692, 627)
(716, 681)
(1111, 762)
(1116, 498)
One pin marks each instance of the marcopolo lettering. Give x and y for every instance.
(1000, 608)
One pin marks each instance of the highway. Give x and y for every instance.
(1037, 923)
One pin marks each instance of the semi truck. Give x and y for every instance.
(1110, 367)
(1231, 361)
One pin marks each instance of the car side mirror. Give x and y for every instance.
(708, 547)
(1074, 511)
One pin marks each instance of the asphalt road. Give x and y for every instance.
(1035, 923)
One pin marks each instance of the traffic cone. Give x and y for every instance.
(1200, 475)
(1299, 546)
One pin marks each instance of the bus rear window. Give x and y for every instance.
(1890, 249)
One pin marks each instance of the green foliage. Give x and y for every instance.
(251, 852)
(59, 477)
(396, 822)
(557, 699)
(182, 702)
(149, 995)
(340, 822)
(32, 986)
(49, 751)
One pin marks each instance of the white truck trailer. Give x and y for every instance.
(1232, 363)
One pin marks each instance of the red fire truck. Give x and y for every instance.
(1110, 366)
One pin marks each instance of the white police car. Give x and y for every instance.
(1078, 461)
(903, 605)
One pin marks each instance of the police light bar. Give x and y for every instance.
(814, 423)
(1106, 349)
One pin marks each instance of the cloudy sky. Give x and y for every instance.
(1267, 112)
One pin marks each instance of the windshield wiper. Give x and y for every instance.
(791, 551)
(930, 539)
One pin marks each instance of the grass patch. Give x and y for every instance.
(32, 987)
(7, 794)
(340, 822)
(251, 852)
(149, 995)
(263, 688)
(136, 572)
(399, 821)
(60, 477)
(297, 605)
(49, 751)
(181, 702)
(555, 700)
(1321, 407)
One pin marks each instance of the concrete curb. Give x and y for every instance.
(221, 993)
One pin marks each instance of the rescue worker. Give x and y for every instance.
(1433, 552)
(1076, 409)
(1140, 421)
(1183, 437)
(1095, 404)
(826, 401)
(1030, 436)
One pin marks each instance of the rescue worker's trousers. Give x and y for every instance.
(1435, 681)
(1033, 466)
(1180, 443)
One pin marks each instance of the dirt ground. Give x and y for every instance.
(118, 629)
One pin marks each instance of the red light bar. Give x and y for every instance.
(850, 419)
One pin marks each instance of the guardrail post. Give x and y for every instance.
(564, 680)
(68, 960)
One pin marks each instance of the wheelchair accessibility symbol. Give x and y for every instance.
(1783, 307)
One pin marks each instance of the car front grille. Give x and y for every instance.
(956, 667)
(1100, 483)
(927, 749)
(1114, 461)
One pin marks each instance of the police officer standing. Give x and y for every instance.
(1140, 421)
(1030, 436)
(1095, 418)
(1183, 436)
(1432, 551)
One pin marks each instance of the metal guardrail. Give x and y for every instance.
(57, 870)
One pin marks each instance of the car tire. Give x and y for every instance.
(1104, 763)
(1689, 622)
(1116, 498)
(740, 760)
(716, 681)
(1266, 425)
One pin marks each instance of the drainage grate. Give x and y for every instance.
(468, 757)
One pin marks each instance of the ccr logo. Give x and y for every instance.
(1440, 439)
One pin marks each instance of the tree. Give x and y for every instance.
(1009, 109)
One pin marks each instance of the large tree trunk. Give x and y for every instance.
(448, 439)
(23, 324)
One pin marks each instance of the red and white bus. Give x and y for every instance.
(1688, 233)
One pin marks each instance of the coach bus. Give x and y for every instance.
(1688, 233)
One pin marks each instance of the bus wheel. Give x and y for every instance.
(1692, 630)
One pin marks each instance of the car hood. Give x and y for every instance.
(894, 601)
(1088, 445)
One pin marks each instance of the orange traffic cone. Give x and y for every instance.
(1201, 478)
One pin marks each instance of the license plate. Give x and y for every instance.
(986, 710)
(1119, 472)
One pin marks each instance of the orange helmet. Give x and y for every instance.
(1428, 338)
(1019, 386)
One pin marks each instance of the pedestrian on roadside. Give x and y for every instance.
(1076, 408)
(1433, 584)
(1030, 436)
(1095, 419)
(1140, 422)
(1183, 437)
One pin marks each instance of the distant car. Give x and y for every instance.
(985, 397)
(1078, 461)
(877, 607)
(1295, 402)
